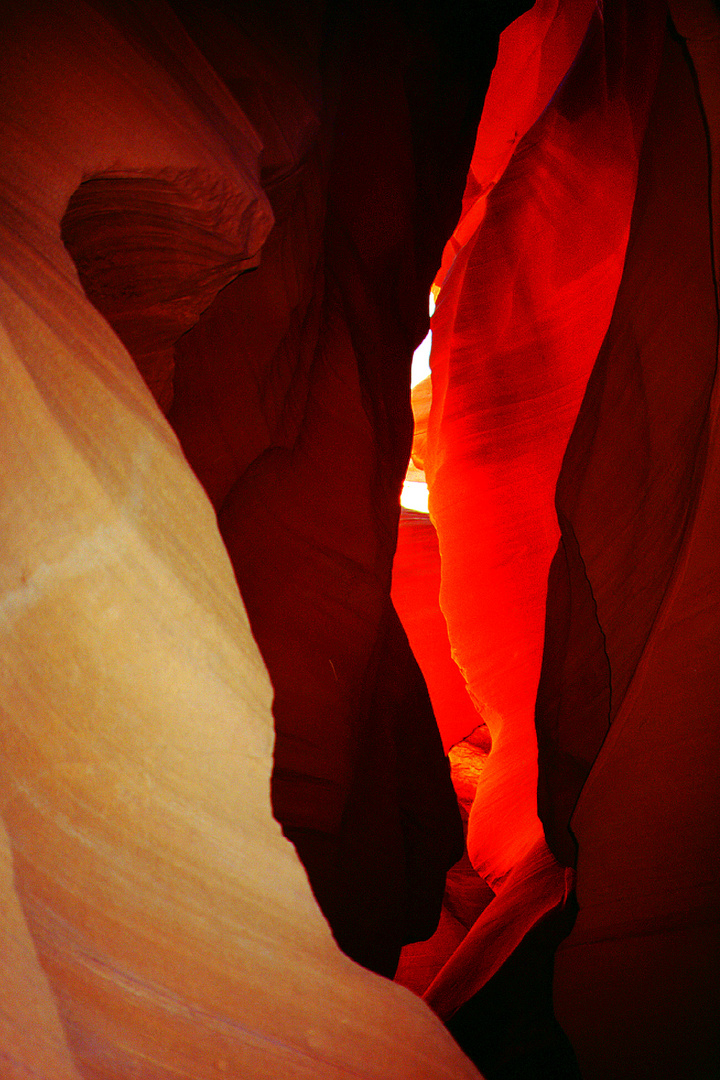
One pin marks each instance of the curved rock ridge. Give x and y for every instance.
(152, 251)
(526, 292)
(618, 439)
(517, 326)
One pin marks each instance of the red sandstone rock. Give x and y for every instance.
(154, 919)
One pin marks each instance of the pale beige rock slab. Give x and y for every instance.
(32, 1040)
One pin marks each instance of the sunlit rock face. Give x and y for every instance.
(527, 289)
(519, 320)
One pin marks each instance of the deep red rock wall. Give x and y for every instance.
(519, 320)
(638, 504)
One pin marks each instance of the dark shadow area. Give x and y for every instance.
(508, 1029)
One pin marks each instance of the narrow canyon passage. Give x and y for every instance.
(269, 741)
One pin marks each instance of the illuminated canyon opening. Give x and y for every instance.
(224, 645)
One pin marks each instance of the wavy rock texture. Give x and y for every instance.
(527, 300)
(528, 284)
(516, 330)
(218, 229)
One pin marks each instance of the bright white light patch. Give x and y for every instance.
(415, 496)
(421, 361)
(415, 493)
(421, 356)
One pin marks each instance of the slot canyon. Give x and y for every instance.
(297, 782)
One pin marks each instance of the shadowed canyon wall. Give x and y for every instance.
(231, 668)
